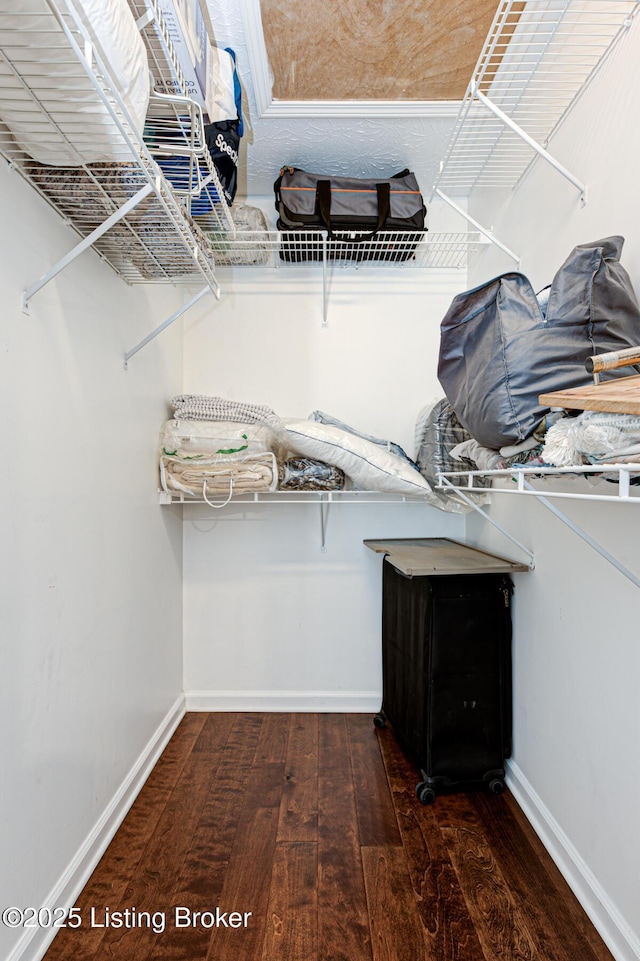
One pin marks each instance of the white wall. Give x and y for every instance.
(577, 657)
(90, 567)
(269, 618)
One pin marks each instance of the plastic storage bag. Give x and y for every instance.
(306, 474)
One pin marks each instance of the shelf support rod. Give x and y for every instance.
(324, 514)
(170, 320)
(585, 537)
(325, 292)
(483, 230)
(476, 507)
(508, 122)
(84, 244)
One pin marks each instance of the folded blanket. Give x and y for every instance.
(202, 407)
(255, 473)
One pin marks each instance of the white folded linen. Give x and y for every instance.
(593, 437)
(249, 474)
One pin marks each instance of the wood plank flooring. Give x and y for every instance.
(308, 828)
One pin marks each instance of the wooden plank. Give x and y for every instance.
(272, 746)
(396, 931)
(152, 885)
(201, 878)
(504, 927)
(109, 882)
(292, 916)
(439, 555)
(298, 820)
(203, 871)
(247, 880)
(539, 884)
(343, 924)
(377, 823)
(216, 730)
(450, 934)
(619, 396)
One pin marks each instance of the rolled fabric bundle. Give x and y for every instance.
(307, 474)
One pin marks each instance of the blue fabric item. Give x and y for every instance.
(323, 418)
(237, 92)
(176, 170)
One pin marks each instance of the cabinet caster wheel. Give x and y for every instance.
(425, 794)
(496, 786)
(379, 720)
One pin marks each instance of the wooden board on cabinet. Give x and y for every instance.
(426, 556)
(619, 396)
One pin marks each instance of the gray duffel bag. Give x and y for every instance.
(500, 346)
(378, 219)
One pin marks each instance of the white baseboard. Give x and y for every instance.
(355, 702)
(621, 940)
(34, 943)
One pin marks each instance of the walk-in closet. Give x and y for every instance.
(192, 672)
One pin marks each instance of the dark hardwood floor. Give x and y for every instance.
(304, 834)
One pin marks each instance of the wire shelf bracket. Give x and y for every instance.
(595, 545)
(451, 489)
(167, 323)
(519, 132)
(84, 244)
(523, 486)
(474, 223)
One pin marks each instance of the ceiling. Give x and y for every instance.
(367, 50)
(341, 134)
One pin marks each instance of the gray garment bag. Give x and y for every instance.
(500, 349)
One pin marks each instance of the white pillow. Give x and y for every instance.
(67, 98)
(369, 466)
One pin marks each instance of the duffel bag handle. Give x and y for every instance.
(323, 194)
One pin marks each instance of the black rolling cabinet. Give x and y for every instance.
(446, 656)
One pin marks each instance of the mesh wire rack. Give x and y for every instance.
(538, 58)
(175, 132)
(56, 92)
(401, 248)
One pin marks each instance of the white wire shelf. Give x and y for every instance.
(155, 242)
(175, 128)
(272, 248)
(300, 497)
(538, 58)
(126, 209)
(616, 486)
